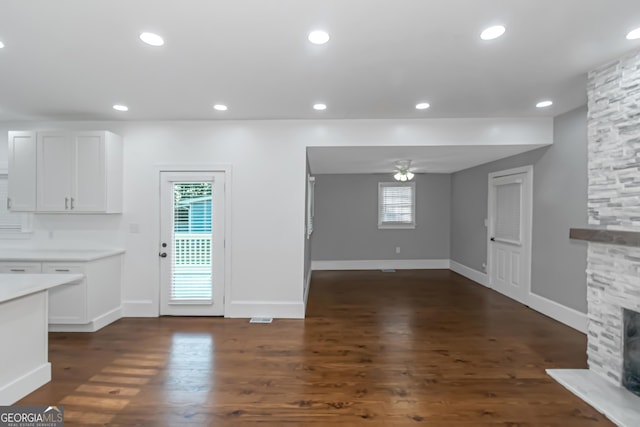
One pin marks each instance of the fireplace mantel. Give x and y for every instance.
(599, 235)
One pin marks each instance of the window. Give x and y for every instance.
(396, 205)
(11, 223)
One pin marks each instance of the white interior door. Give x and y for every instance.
(510, 233)
(192, 243)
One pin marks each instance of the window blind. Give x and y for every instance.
(192, 242)
(396, 205)
(507, 225)
(10, 222)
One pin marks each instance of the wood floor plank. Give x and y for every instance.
(120, 370)
(119, 380)
(112, 391)
(417, 347)
(104, 403)
(82, 418)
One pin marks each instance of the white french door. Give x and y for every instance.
(192, 243)
(509, 250)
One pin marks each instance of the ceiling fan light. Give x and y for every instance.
(410, 176)
(397, 176)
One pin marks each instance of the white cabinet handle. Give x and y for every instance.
(66, 203)
(8, 203)
(72, 207)
(18, 270)
(62, 270)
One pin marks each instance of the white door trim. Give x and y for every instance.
(527, 230)
(212, 167)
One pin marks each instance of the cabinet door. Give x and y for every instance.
(67, 303)
(20, 267)
(55, 170)
(89, 187)
(22, 171)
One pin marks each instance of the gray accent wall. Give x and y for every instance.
(559, 203)
(346, 219)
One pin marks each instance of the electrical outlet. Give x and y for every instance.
(397, 249)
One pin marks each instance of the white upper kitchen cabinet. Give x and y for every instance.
(22, 171)
(54, 171)
(79, 172)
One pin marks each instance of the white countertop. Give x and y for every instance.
(14, 286)
(64, 255)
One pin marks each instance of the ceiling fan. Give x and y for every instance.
(403, 172)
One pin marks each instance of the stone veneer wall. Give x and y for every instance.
(613, 272)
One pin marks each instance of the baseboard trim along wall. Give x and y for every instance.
(470, 273)
(141, 308)
(399, 264)
(567, 315)
(20, 387)
(94, 325)
(563, 314)
(275, 309)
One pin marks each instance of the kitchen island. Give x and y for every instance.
(83, 306)
(24, 361)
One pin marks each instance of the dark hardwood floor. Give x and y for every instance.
(377, 349)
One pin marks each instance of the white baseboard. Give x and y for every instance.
(140, 308)
(20, 387)
(96, 324)
(398, 264)
(470, 273)
(275, 309)
(307, 286)
(563, 314)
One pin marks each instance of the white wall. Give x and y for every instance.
(268, 161)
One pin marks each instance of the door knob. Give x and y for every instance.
(163, 254)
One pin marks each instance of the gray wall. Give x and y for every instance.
(559, 203)
(346, 219)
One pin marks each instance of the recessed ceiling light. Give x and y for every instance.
(493, 32)
(422, 106)
(544, 104)
(319, 107)
(634, 35)
(1, 45)
(152, 39)
(220, 107)
(318, 37)
(120, 107)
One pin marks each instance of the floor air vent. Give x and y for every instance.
(388, 270)
(261, 320)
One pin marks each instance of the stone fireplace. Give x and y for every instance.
(631, 359)
(613, 256)
(613, 289)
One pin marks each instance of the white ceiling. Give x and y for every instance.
(424, 159)
(74, 59)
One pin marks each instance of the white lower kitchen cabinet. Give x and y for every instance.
(82, 306)
(20, 267)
